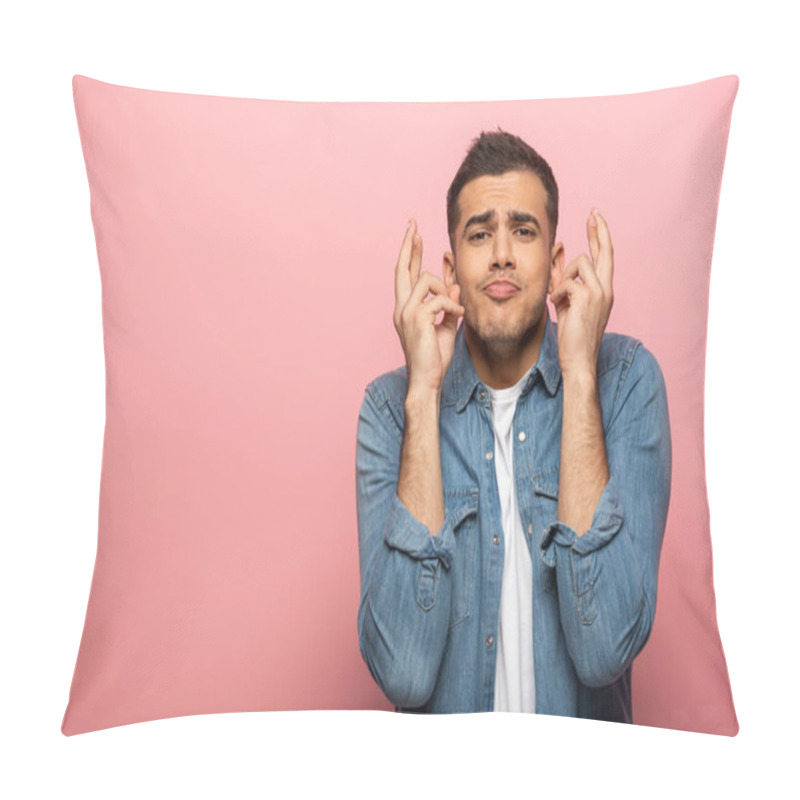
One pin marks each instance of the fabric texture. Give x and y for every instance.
(428, 622)
(246, 251)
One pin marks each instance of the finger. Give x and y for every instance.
(604, 263)
(416, 256)
(578, 267)
(442, 303)
(449, 320)
(563, 291)
(568, 291)
(588, 274)
(427, 282)
(591, 235)
(560, 295)
(402, 279)
(451, 317)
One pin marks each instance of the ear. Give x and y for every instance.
(449, 269)
(556, 267)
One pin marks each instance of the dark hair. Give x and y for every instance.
(495, 153)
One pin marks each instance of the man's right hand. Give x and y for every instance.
(428, 346)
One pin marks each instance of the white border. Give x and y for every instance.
(53, 379)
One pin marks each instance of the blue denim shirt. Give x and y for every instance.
(430, 605)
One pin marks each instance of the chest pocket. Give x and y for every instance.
(461, 503)
(545, 513)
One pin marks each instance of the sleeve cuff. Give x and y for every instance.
(606, 522)
(405, 532)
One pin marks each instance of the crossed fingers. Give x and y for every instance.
(412, 285)
(408, 265)
(595, 273)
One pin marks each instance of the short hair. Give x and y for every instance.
(495, 153)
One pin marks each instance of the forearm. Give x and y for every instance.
(607, 574)
(405, 571)
(419, 484)
(584, 466)
(605, 595)
(403, 620)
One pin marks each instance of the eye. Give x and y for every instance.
(477, 236)
(529, 232)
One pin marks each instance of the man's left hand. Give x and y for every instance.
(583, 300)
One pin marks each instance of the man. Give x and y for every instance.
(513, 477)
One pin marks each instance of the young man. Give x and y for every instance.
(513, 477)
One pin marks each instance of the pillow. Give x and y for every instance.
(247, 251)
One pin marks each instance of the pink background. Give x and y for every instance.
(246, 250)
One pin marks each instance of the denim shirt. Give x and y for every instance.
(430, 605)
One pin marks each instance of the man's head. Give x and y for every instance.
(502, 214)
(494, 153)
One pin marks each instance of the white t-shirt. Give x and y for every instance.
(514, 687)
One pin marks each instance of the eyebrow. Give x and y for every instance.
(516, 216)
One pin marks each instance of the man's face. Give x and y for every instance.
(503, 260)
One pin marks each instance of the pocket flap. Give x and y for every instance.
(460, 503)
(546, 483)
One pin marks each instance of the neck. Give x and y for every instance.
(501, 364)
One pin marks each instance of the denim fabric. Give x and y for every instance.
(429, 610)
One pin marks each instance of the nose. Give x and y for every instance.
(502, 252)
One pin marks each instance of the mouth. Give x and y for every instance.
(501, 290)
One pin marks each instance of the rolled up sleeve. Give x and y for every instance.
(406, 533)
(607, 578)
(406, 581)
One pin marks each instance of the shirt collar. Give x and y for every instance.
(461, 378)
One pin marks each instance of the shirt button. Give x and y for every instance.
(530, 528)
(489, 641)
(496, 539)
(482, 394)
(521, 436)
(489, 456)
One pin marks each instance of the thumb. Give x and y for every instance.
(560, 299)
(449, 323)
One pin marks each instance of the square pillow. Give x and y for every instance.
(247, 251)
